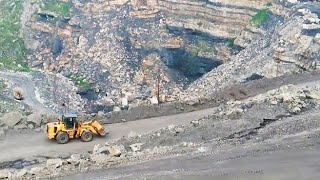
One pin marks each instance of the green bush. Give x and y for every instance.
(81, 83)
(260, 17)
(269, 4)
(230, 42)
(12, 49)
(199, 23)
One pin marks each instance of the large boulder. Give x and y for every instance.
(11, 119)
(35, 119)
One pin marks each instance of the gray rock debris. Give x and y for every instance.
(53, 163)
(11, 119)
(35, 118)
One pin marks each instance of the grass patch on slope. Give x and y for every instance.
(58, 7)
(260, 17)
(81, 83)
(12, 49)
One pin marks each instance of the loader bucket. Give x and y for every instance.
(99, 128)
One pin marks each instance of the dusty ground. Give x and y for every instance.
(28, 144)
(285, 149)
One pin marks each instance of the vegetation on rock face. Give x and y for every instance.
(81, 83)
(201, 47)
(269, 4)
(12, 49)
(260, 17)
(2, 86)
(230, 42)
(58, 7)
(200, 23)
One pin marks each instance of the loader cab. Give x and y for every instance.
(70, 120)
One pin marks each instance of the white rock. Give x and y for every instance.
(195, 122)
(154, 100)
(116, 109)
(136, 147)
(124, 102)
(96, 148)
(171, 127)
(293, 1)
(75, 157)
(114, 151)
(202, 149)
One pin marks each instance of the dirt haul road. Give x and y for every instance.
(29, 145)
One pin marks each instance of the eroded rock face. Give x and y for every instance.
(134, 42)
(294, 44)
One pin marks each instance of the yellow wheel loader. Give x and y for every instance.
(68, 128)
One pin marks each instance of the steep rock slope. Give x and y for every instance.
(288, 46)
(119, 50)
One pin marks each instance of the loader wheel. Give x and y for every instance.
(62, 138)
(86, 136)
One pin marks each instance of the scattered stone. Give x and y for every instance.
(154, 100)
(116, 109)
(202, 149)
(179, 130)
(136, 147)
(99, 158)
(114, 151)
(18, 94)
(53, 163)
(171, 127)
(96, 148)
(11, 119)
(103, 150)
(186, 144)
(36, 170)
(75, 158)
(195, 123)
(21, 173)
(132, 134)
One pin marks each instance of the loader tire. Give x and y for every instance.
(86, 136)
(62, 137)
